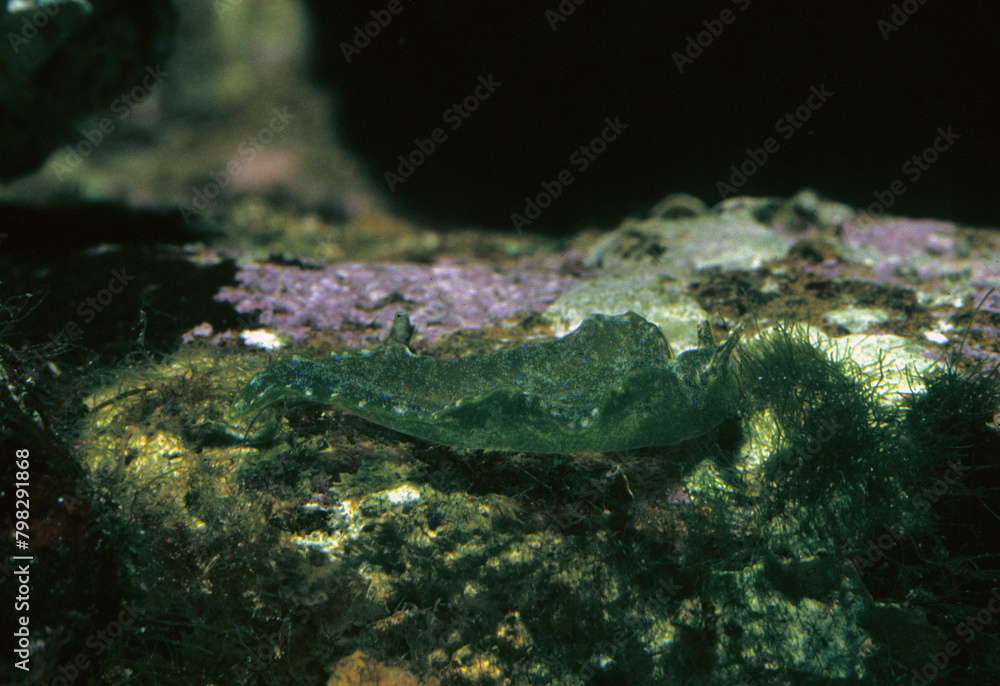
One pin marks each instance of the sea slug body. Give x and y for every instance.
(612, 384)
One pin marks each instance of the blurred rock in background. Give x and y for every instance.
(229, 115)
(64, 59)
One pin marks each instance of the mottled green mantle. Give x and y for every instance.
(609, 385)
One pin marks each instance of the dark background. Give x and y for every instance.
(939, 69)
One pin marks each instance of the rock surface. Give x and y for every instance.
(835, 530)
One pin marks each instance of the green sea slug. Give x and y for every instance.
(612, 384)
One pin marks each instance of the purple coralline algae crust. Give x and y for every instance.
(900, 237)
(925, 248)
(360, 300)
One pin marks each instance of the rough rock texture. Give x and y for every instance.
(683, 246)
(656, 298)
(359, 669)
(839, 528)
(360, 301)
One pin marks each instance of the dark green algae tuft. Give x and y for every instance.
(612, 384)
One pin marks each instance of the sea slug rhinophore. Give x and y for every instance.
(612, 384)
